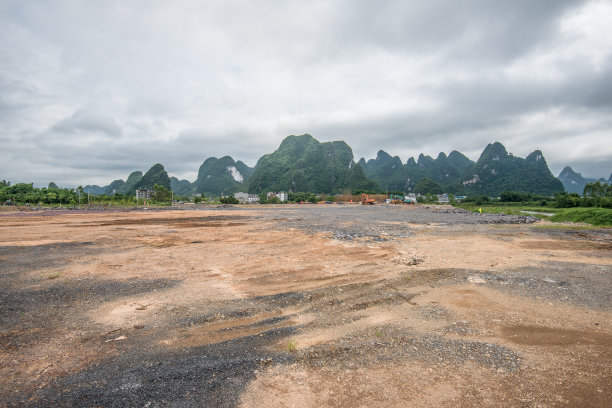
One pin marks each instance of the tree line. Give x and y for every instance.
(27, 194)
(595, 194)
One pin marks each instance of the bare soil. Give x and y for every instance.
(304, 306)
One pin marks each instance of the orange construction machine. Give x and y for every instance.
(366, 200)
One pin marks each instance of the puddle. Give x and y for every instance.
(545, 336)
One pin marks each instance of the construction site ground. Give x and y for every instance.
(303, 306)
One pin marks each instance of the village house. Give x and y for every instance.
(245, 198)
(443, 198)
(143, 194)
(282, 196)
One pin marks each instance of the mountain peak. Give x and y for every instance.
(295, 141)
(493, 151)
(535, 156)
(301, 163)
(424, 160)
(156, 175)
(383, 156)
(568, 172)
(224, 175)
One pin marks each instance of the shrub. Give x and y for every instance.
(229, 200)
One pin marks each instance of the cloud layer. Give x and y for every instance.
(90, 91)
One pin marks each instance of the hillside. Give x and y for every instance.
(181, 187)
(388, 172)
(497, 171)
(391, 174)
(114, 187)
(302, 163)
(129, 186)
(222, 175)
(94, 189)
(156, 175)
(575, 182)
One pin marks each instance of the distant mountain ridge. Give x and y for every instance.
(495, 171)
(221, 176)
(575, 182)
(302, 163)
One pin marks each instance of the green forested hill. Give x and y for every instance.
(575, 182)
(302, 163)
(495, 172)
(222, 175)
(388, 172)
(114, 186)
(156, 175)
(392, 175)
(94, 189)
(181, 187)
(130, 184)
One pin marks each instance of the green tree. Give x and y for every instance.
(428, 186)
(161, 193)
(229, 200)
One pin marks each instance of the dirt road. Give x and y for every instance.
(302, 306)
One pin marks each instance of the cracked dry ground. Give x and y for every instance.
(239, 308)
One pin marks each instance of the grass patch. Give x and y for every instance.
(601, 217)
(565, 227)
(54, 275)
(291, 345)
(508, 209)
(594, 216)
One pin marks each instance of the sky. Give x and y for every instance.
(93, 90)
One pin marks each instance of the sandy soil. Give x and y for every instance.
(250, 307)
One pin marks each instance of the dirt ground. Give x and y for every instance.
(302, 306)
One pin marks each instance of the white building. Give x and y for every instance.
(282, 196)
(143, 194)
(242, 198)
(443, 198)
(245, 198)
(411, 196)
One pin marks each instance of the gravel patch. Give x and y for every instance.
(391, 344)
(379, 223)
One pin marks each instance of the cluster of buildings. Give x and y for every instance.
(245, 198)
(282, 196)
(142, 194)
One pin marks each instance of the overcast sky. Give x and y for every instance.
(92, 90)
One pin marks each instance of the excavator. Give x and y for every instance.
(366, 200)
(396, 199)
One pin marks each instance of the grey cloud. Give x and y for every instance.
(84, 120)
(178, 83)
